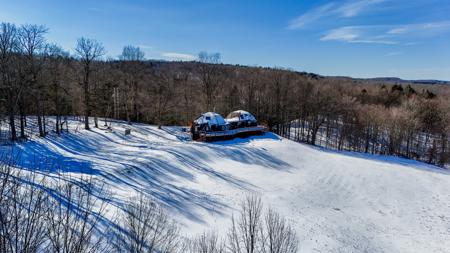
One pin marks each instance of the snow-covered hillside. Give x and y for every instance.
(338, 202)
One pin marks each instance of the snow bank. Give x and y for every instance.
(337, 201)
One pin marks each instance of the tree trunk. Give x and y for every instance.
(135, 106)
(12, 126)
(314, 135)
(43, 124)
(22, 121)
(39, 119)
(367, 141)
(444, 154)
(57, 124)
(87, 104)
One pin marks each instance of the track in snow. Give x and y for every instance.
(337, 201)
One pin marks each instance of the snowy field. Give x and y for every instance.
(337, 201)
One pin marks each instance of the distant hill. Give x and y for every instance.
(399, 80)
(395, 80)
(384, 80)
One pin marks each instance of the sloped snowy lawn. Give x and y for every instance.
(338, 202)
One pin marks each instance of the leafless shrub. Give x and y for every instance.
(74, 218)
(38, 215)
(205, 243)
(253, 232)
(244, 233)
(22, 205)
(278, 236)
(148, 228)
(66, 216)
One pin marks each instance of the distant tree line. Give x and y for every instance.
(39, 78)
(390, 120)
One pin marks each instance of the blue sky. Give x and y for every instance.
(366, 38)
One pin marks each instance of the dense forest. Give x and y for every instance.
(373, 116)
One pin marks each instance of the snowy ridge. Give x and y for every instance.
(337, 201)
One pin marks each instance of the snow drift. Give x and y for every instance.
(337, 201)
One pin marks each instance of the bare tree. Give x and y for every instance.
(163, 90)
(88, 51)
(205, 243)
(74, 217)
(278, 236)
(148, 228)
(57, 60)
(22, 209)
(209, 75)
(252, 233)
(244, 234)
(132, 66)
(9, 89)
(186, 92)
(32, 46)
(132, 53)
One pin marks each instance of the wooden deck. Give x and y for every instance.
(230, 134)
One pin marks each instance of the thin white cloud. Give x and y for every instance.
(145, 47)
(178, 56)
(432, 27)
(399, 30)
(347, 9)
(369, 41)
(413, 43)
(356, 34)
(347, 33)
(311, 16)
(354, 8)
(387, 34)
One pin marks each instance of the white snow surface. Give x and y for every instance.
(211, 118)
(337, 201)
(236, 116)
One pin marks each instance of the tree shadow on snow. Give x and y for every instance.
(394, 160)
(238, 150)
(37, 156)
(126, 168)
